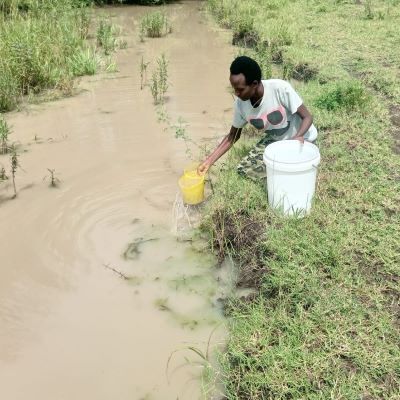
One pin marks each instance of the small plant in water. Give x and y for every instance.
(14, 166)
(159, 80)
(163, 74)
(106, 36)
(110, 65)
(154, 87)
(153, 25)
(4, 133)
(54, 181)
(3, 176)
(84, 62)
(209, 374)
(143, 69)
(162, 115)
(180, 129)
(162, 304)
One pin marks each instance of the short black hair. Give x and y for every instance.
(248, 67)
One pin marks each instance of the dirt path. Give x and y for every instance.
(70, 326)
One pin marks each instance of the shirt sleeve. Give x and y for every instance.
(289, 97)
(238, 119)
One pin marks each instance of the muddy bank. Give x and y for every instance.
(71, 327)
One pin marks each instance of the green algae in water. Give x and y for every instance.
(135, 280)
(147, 396)
(162, 304)
(184, 320)
(133, 251)
(191, 323)
(192, 283)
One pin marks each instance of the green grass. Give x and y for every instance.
(324, 320)
(344, 95)
(5, 132)
(106, 36)
(154, 24)
(159, 80)
(84, 62)
(43, 45)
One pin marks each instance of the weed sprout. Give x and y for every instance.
(106, 36)
(14, 166)
(143, 69)
(4, 133)
(159, 80)
(3, 175)
(54, 181)
(153, 25)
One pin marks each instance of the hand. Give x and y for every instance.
(203, 168)
(299, 138)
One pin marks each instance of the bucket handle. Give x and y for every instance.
(315, 166)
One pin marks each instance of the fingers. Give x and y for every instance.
(202, 169)
(299, 138)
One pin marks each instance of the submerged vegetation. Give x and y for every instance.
(323, 321)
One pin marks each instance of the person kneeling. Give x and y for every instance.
(271, 106)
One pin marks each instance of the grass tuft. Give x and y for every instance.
(344, 95)
(5, 131)
(43, 47)
(159, 80)
(84, 62)
(105, 35)
(154, 24)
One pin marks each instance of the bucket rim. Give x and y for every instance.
(292, 166)
(292, 143)
(196, 181)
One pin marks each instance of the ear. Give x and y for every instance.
(255, 83)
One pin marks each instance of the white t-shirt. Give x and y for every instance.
(276, 114)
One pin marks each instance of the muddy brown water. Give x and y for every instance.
(71, 327)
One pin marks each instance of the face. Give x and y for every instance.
(242, 90)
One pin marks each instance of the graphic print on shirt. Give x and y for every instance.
(273, 121)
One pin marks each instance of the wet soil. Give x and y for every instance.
(96, 293)
(239, 230)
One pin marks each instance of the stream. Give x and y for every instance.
(99, 299)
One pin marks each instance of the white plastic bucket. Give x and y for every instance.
(291, 175)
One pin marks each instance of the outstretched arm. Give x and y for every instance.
(221, 149)
(306, 121)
